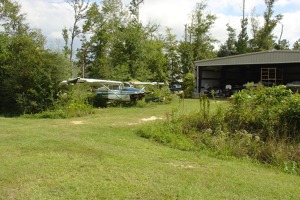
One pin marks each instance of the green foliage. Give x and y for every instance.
(142, 103)
(229, 47)
(188, 85)
(51, 114)
(260, 123)
(168, 134)
(264, 38)
(198, 43)
(267, 111)
(30, 76)
(202, 41)
(242, 41)
(76, 101)
(100, 157)
(290, 116)
(172, 55)
(159, 94)
(296, 45)
(12, 20)
(133, 51)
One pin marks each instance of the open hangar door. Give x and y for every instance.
(219, 77)
(234, 72)
(235, 78)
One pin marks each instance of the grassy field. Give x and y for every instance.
(101, 157)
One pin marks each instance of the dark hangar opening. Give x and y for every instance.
(269, 68)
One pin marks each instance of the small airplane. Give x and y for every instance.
(114, 90)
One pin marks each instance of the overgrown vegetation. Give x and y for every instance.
(73, 101)
(101, 157)
(78, 100)
(259, 123)
(29, 73)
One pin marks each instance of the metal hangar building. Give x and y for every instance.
(268, 67)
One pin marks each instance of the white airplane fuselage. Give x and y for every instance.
(124, 94)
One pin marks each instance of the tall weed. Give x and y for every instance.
(261, 123)
(75, 101)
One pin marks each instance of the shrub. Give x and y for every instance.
(290, 117)
(262, 110)
(165, 133)
(50, 114)
(188, 85)
(162, 94)
(74, 101)
(261, 123)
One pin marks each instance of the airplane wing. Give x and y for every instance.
(148, 83)
(91, 82)
(144, 84)
(98, 81)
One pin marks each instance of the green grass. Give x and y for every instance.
(101, 157)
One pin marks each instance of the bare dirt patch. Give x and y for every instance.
(143, 120)
(78, 122)
(184, 166)
(153, 118)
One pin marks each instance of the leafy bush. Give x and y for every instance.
(267, 111)
(29, 74)
(188, 85)
(290, 117)
(162, 94)
(261, 123)
(77, 101)
(168, 134)
(74, 101)
(50, 114)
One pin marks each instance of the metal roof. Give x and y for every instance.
(264, 57)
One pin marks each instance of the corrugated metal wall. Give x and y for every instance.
(246, 67)
(266, 57)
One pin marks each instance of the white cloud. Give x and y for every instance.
(291, 30)
(168, 13)
(51, 16)
(219, 30)
(287, 2)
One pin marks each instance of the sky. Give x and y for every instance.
(51, 16)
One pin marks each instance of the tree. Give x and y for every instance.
(242, 43)
(29, 74)
(198, 44)
(282, 45)
(105, 25)
(229, 48)
(135, 7)
(264, 39)
(296, 45)
(66, 48)
(200, 32)
(254, 24)
(155, 58)
(172, 55)
(120, 47)
(79, 7)
(13, 20)
(188, 84)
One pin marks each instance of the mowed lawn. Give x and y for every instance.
(101, 157)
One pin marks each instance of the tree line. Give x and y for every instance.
(29, 73)
(114, 45)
